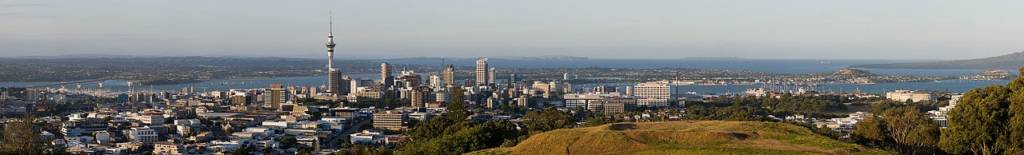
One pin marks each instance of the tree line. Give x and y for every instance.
(987, 120)
(454, 133)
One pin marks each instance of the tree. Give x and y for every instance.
(457, 106)
(971, 125)
(546, 120)
(20, 137)
(986, 121)
(911, 130)
(430, 128)
(1015, 124)
(598, 119)
(288, 141)
(903, 128)
(871, 131)
(244, 150)
(485, 135)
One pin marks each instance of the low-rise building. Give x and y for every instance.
(912, 95)
(142, 135)
(390, 120)
(618, 105)
(365, 137)
(166, 148)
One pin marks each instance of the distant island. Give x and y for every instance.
(1010, 61)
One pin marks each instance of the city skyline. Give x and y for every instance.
(595, 29)
(516, 77)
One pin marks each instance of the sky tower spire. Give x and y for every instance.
(330, 45)
(332, 73)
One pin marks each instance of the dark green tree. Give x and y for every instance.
(911, 130)
(987, 120)
(1015, 122)
(457, 106)
(546, 120)
(288, 141)
(871, 131)
(485, 135)
(973, 124)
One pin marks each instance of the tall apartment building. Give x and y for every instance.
(653, 94)
(276, 96)
(340, 85)
(435, 82)
(482, 72)
(420, 96)
(385, 75)
(491, 75)
(448, 75)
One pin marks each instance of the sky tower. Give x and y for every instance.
(333, 74)
(330, 46)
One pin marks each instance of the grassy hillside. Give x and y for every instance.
(683, 137)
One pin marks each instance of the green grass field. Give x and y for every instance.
(683, 137)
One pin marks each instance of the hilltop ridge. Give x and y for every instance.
(684, 137)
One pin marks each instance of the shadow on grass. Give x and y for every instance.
(621, 126)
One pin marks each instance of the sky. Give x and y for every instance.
(647, 29)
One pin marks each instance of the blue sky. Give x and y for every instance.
(778, 29)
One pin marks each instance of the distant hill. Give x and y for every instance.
(852, 72)
(1010, 61)
(683, 137)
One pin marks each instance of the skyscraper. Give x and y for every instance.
(385, 75)
(276, 96)
(435, 82)
(333, 83)
(332, 74)
(490, 76)
(449, 75)
(481, 72)
(344, 84)
(512, 80)
(419, 97)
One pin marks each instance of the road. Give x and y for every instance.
(341, 139)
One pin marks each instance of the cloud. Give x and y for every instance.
(25, 15)
(12, 4)
(13, 9)
(20, 4)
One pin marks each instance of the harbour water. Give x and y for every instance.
(220, 84)
(773, 66)
(938, 86)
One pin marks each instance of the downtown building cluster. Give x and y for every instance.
(288, 119)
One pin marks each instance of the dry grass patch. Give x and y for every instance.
(683, 137)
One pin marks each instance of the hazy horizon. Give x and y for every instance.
(71, 56)
(596, 29)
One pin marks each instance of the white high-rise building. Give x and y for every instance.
(482, 72)
(653, 94)
(385, 75)
(436, 82)
(490, 76)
